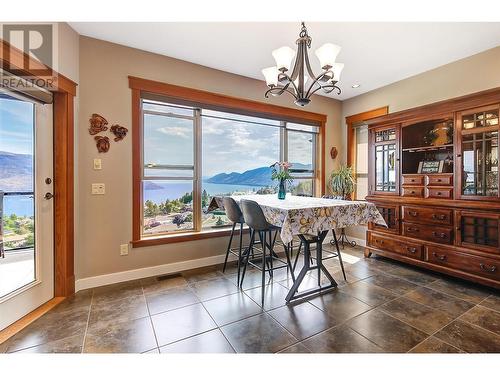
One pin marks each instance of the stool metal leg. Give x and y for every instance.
(250, 246)
(263, 240)
(228, 247)
(239, 252)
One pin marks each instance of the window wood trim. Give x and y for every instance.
(142, 87)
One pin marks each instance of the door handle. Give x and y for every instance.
(48, 196)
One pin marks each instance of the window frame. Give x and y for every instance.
(172, 94)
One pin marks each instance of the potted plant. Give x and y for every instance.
(342, 182)
(281, 172)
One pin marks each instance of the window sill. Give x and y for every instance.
(182, 237)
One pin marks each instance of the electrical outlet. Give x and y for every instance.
(97, 164)
(98, 189)
(124, 249)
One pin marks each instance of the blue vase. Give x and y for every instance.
(282, 189)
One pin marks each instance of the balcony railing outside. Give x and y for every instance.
(3, 239)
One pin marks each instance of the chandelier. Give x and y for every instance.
(279, 81)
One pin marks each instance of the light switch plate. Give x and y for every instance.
(124, 249)
(98, 189)
(97, 164)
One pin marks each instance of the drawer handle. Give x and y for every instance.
(486, 268)
(411, 249)
(413, 213)
(438, 193)
(438, 217)
(439, 235)
(380, 242)
(440, 257)
(438, 180)
(412, 180)
(412, 229)
(412, 192)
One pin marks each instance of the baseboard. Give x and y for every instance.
(163, 269)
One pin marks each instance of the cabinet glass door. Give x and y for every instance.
(479, 144)
(385, 168)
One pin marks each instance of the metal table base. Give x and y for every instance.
(318, 240)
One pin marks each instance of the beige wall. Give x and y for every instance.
(105, 222)
(472, 74)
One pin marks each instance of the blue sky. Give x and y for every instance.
(16, 126)
(227, 146)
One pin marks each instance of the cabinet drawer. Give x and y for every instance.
(439, 192)
(469, 263)
(427, 215)
(410, 249)
(413, 179)
(428, 232)
(412, 191)
(382, 242)
(439, 180)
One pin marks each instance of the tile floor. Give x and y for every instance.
(384, 306)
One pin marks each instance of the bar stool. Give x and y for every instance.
(256, 221)
(234, 215)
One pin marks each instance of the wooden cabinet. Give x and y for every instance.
(478, 230)
(390, 213)
(434, 177)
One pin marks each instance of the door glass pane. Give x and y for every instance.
(361, 162)
(385, 172)
(167, 206)
(17, 207)
(480, 164)
(480, 119)
(385, 135)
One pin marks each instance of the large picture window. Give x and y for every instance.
(187, 153)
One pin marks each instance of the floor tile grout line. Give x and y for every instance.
(218, 327)
(454, 320)
(428, 285)
(434, 337)
(151, 320)
(88, 321)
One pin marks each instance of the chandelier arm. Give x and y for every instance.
(316, 80)
(328, 89)
(308, 64)
(280, 90)
(297, 66)
(290, 82)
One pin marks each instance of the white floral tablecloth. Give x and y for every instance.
(306, 215)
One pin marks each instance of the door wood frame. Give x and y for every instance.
(63, 111)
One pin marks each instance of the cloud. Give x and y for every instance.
(176, 131)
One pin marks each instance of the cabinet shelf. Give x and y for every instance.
(429, 148)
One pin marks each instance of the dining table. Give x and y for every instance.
(310, 219)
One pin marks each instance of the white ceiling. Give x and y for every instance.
(375, 54)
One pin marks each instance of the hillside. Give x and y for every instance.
(16, 172)
(254, 177)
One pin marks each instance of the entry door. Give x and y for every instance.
(26, 208)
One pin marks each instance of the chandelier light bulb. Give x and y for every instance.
(271, 75)
(283, 57)
(337, 69)
(327, 54)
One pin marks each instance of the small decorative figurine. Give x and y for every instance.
(102, 143)
(97, 124)
(333, 152)
(119, 131)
